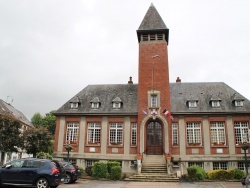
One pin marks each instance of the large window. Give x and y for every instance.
(218, 133)
(220, 165)
(174, 133)
(94, 132)
(194, 133)
(115, 133)
(241, 132)
(133, 133)
(72, 132)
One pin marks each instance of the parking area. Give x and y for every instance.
(124, 184)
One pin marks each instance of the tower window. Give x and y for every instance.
(145, 37)
(154, 101)
(152, 37)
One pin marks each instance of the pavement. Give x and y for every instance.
(125, 184)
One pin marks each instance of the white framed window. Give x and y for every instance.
(241, 132)
(116, 105)
(115, 133)
(220, 165)
(215, 104)
(241, 165)
(94, 132)
(200, 164)
(174, 133)
(95, 105)
(90, 162)
(133, 133)
(72, 132)
(153, 100)
(194, 133)
(74, 105)
(218, 135)
(192, 104)
(238, 103)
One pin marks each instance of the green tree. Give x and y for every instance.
(37, 119)
(37, 139)
(10, 135)
(50, 122)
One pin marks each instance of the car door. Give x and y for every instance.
(28, 173)
(11, 172)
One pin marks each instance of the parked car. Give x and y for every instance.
(41, 173)
(71, 170)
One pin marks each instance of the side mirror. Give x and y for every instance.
(8, 166)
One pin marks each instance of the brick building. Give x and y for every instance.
(184, 123)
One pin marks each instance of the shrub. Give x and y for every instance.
(219, 175)
(238, 174)
(43, 155)
(196, 173)
(116, 173)
(88, 170)
(110, 164)
(99, 170)
(81, 170)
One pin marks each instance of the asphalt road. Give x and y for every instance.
(125, 184)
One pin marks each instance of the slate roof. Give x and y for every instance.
(6, 108)
(106, 95)
(203, 92)
(180, 94)
(152, 23)
(152, 20)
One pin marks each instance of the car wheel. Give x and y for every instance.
(67, 179)
(42, 183)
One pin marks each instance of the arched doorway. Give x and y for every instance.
(154, 138)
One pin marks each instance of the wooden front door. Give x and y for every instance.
(154, 139)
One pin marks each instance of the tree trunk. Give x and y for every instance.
(2, 157)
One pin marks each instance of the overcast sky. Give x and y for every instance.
(52, 49)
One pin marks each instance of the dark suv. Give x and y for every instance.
(71, 170)
(41, 173)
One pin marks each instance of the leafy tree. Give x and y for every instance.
(10, 135)
(50, 122)
(37, 119)
(37, 139)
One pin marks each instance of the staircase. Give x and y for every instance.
(154, 169)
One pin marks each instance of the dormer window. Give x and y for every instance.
(95, 103)
(215, 103)
(73, 105)
(192, 101)
(238, 100)
(192, 104)
(117, 103)
(238, 103)
(74, 102)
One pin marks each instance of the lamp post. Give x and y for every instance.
(245, 147)
(68, 148)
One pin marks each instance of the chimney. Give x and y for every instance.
(130, 80)
(178, 80)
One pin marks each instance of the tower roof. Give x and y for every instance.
(152, 23)
(152, 20)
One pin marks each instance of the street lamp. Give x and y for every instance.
(68, 148)
(245, 147)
